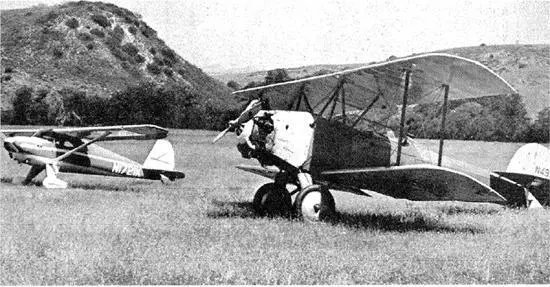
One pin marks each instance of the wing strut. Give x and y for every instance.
(442, 128)
(403, 110)
(67, 154)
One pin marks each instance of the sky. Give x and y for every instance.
(219, 35)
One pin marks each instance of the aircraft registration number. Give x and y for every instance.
(542, 171)
(127, 169)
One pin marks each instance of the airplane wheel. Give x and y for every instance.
(272, 200)
(314, 203)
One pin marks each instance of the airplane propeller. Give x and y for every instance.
(251, 110)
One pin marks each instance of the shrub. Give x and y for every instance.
(72, 23)
(8, 70)
(132, 30)
(90, 46)
(147, 31)
(153, 68)
(101, 20)
(168, 72)
(233, 85)
(158, 61)
(118, 33)
(57, 52)
(181, 72)
(21, 101)
(97, 32)
(139, 58)
(46, 19)
(153, 51)
(130, 49)
(84, 37)
(169, 55)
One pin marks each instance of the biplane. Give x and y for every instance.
(332, 132)
(73, 150)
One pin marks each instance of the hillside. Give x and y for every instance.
(91, 47)
(524, 66)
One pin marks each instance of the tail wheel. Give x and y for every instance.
(272, 200)
(314, 203)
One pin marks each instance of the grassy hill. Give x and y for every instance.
(95, 48)
(524, 66)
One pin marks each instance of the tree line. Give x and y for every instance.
(496, 118)
(171, 106)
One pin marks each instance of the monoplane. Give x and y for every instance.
(73, 150)
(332, 132)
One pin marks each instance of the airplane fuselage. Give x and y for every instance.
(92, 159)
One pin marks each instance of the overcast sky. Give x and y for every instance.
(228, 34)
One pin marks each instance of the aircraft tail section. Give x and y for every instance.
(161, 156)
(160, 163)
(526, 181)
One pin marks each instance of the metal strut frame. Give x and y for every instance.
(442, 127)
(403, 110)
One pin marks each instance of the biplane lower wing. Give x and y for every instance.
(422, 182)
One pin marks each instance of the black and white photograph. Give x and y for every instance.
(292, 142)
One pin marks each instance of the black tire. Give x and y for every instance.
(314, 203)
(272, 200)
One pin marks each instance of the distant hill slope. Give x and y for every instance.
(93, 47)
(526, 67)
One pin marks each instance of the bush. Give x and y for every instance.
(57, 52)
(72, 23)
(84, 37)
(97, 32)
(169, 56)
(21, 101)
(147, 31)
(118, 34)
(132, 30)
(139, 58)
(46, 19)
(130, 49)
(168, 72)
(153, 51)
(539, 131)
(101, 20)
(90, 46)
(233, 85)
(153, 68)
(276, 76)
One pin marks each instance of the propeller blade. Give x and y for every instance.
(251, 110)
(220, 135)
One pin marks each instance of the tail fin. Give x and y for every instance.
(526, 181)
(161, 156)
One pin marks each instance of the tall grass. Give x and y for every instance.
(202, 230)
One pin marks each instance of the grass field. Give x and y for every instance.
(202, 230)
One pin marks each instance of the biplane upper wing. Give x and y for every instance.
(423, 182)
(380, 85)
(138, 132)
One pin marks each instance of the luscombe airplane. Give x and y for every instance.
(73, 150)
(331, 132)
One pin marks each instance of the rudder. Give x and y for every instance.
(161, 156)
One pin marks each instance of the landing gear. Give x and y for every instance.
(313, 203)
(272, 199)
